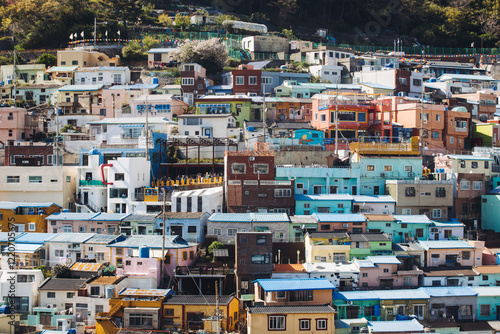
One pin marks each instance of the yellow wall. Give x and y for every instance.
(11, 216)
(408, 304)
(258, 323)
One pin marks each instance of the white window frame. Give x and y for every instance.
(239, 80)
(436, 213)
(32, 227)
(321, 324)
(477, 185)
(276, 323)
(282, 192)
(231, 232)
(187, 82)
(305, 324)
(406, 212)
(464, 185)
(217, 231)
(252, 80)
(35, 179)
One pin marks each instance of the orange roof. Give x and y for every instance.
(382, 218)
(288, 268)
(86, 266)
(106, 280)
(494, 269)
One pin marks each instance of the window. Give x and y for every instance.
(184, 256)
(465, 207)
(232, 232)
(70, 295)
(402, 81)
(409, 169)
(239, 80)
(440, 192)
(282, 192)
(267, 80)
(466, 310)
(119, 176)
(465, 255)
(13, 179)
(485, 277)
(94, 291)
(477, 185)
(486, 164)
(434, 257)
(187, 81)
(386, 270)
(51, 295)
(119, 251)
(59, 253)
(405, 212)
(435, 134)
(465, 185)
(141, 320)
(252, 80)
(365, 275)
(276, 323)
(370, 168)
(82, 229)
(301, 295)
(417, 82)
(419, 233)
(452, 140)
(474, 164)
(436, 213)
(35, 179)
(25, 278)
(217, 231)
(99, 309)
(410, 192)
(31, 226)
(485, 309)
(323, 118)
(387, 168)
(261, 168)
(260, 259)
(261, 240)
(238, 168)
(74, 62)
(438, 117)
(321, 324)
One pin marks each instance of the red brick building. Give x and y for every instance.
(250, 184)
(470, 188)
(246, 80)
(28, 155)
(193, 82)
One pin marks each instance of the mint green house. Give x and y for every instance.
(300, 225)
(488, 302)
(139, 224)
(490, 210)
(402, 228)
(239, 106)
(370, 244)
(324, 203)
(356, 304)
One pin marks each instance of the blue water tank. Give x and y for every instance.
(109, 292)
(144, 252)
(9, 82)
(4, 309)
(2, 83)
(155, 81)
(432, 80)
(251, 129)
(71, 331)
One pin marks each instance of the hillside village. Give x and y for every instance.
(308, 188)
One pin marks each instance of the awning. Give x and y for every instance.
(131, 126)
(25, 248)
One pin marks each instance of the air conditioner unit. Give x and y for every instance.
(251, 158)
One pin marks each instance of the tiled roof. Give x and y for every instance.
(444, 244)
(248, 217)
(339, 217)
(291, 309)
(15, 205)
(450, 291)
(406, 326)
(370, 237)
(153, 241)
(62, 284)
(107, 280)
(137, 217)
(493, 269)
(110, 217)
(198, 300)
(86, 266)
(72, 216)
(72, 237)
(373, 199)
(181, 215)
(295, 284)
(288, 268)
(329, 235)
(379, 218)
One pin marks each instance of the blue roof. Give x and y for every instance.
(449, 291)
(25, 248)
(295, 284)
(72, 237)
(444, 244)
(153, 241)
(339, 217)
(452, 223)
(356, 295)
(35, 238)
(465, 77)
(373, 199)
(104, 238)
(15, 205)
(80, 88)
(110, 217)
(71, 216)
(412, 219)
(396, 326)
(401, 294)
(248, 217)
(324, 197)
(4, 236)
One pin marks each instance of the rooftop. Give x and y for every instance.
(80, 88)
(356, 295)
(331, 267)
(449, 291)
(270, 285)
(373, 199)
(86, 266)
(249, 217)
(15, 205)
(71, 216)
(291, 309)
(72, 237)
(339, 217)
(181, 215)
(405, 326)
(448, 271)
(383, 259)
(412, 219)
(140, 217)
(107, 280)
(401, 294)
(324, 197)
(153, 241)
(62, 284)
(288, 268)
(379, 218)
(110, 217)
(468, 157)
(370, 237)
(444, 244)
(328, 235)
(34, 238)
(493, 269)
(199, 300)
(145, 292)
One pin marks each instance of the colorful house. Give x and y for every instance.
(300, 225)
(309, 137)
(323, 203)
(488, 302)
(452, 252)
(366, 244)
(239, 106)
(327, 247)
(383, 272)
(410, 227)
(338, 222)
(400, 304)
(459, 303)
(26, 217)
(374, 204)
(357, 304)
(342, 275)
(277, 292)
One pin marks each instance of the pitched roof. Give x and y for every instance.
(140, 217)
(198, 300)
(249, 217)
(487, 291)
(72, 237)
(71, 216)
(6, 236)
(110, 217)
(104, 239)
(80, 88)
(107, 280)
(370, 237)
(291, 309)
(295, 284)
(181, 215)
(468, 157)
(401, 294)
(145, 292)
(412, 219)
(339, 217)
(86, 266)
(34, 238)
(449, 271)
(383, 259)
(329, 235)
(493, 269)
(323, 197)
(379, 218)
(153, 241)
(355, 295)
(330, 267)
(62, 284)
(449, 291)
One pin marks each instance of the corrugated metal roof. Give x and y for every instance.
(101, 68)
(324, 197)
(72, 216)
(487, 291)
(138, 217)
(384, 259)
(24, 248)
(161, 50)
(181, 215)
(447, 224)
(364, 263)
(132, 120)
(339, 217)
(35, 238)
(62, 69)
(295, 284)
(355, 295)
(4, 236)
(248, 217)
(465, 77)
(199, 300)
(153, 241)
(376, 85)
(145, 292)
(257, 65)
(15, 205)
(72, 237)
(468, 157)
(103, 238)
(329, 235)
(370, 237)
(444, 244)
(63, 284)
(86, 266)
(449, 291)
(373, 199)
(303, 219)
(330, 267)
(412, 219)
(406, 326)
(80, 88)
(222, 252)
(401, 294)
(110, 217)
(291, 309)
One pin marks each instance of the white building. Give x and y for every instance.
(326, 73)
(375, 205)
(55, 184)
(58, 293)
(326, 57)
(66, 248)
(104, 75)
(26, 282)
(210, 200)
(164, 105)
(339, 274)
(446, 230)
(389, 77)
(208, 126)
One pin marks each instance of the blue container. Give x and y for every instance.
(251, 129)
(144, 252)
(155, 81)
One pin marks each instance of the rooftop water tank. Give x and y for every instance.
(144, 252)
(251, 129)
(155, 81)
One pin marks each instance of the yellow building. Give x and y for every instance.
(80, 99)
(327, 247)
(291, 319)
(188, 313)
(85, 58)
(26, 217)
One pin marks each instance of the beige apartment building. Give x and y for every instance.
(85, 58)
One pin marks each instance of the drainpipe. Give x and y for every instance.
(102, 174)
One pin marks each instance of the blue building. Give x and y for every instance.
(190, 226)
(324, 203)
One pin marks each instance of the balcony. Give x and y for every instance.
(91, 183)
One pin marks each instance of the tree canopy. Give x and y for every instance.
(211, 54)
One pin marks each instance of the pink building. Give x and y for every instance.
(16, 124)
(138, 255)
(452, 252)
(77, 222)
(386, 272)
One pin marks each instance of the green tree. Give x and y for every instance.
(211, 54)
(133, 51)
(214, 245)
(165, 20)
(182, 21)
(47, 59)
(61, 271)
(149, 43)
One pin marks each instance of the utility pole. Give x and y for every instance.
(57, 131)
(15, 79)
(337, 120)
(147, 130)
(422, 113)
(217, 307)
(163, 236)
(95, 31)
(264, 112)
